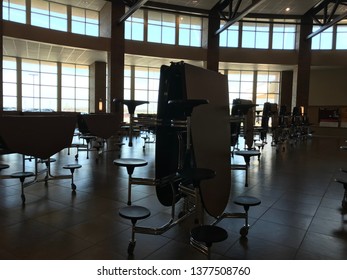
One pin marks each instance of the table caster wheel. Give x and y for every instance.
(244, 231)
(73, 187)
(23, 198)
(131, 247)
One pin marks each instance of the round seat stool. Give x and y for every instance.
(208, 234)
(133, 213)
(21, 176)
(130, 164)
(246, 202)
(247, 154)
(72, 168)
(3, 166)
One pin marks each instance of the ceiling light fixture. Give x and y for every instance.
(287, 9)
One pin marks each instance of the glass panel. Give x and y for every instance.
(67, 93)
(137, 31)
(48, 105)
(248, 39)
(127, 82)
(246, 76)
(78, 27)
(153, 84)
(58, 24)
(234, 86)
(82, 106)
(9, 63)
(82, 70)
(154, 34)
(341, 41)
(40, 6)
(82, 93)
(49, 79)
(27, 90)
(10, 103)
(184, 37)
(30, 77)
(40, 20)
(277, 41)
(141, 83)
(262, 40)
(184, 21)
(137, 16)
(68, 105)
(49, 67)
(196, 38)
(78, 14)
(153, 96)
(9, 75)
(126, 94)
(92, 30)
(168, 35)
(154, 17)
(92, 17)
(140, 95)
(169, 19)
(152, 108)
(18, 16)
(27, 104)
(31, 65)
(82, 81)
(10, 89)
(58, 10)
(289, 41)
(246, 87)
(47, 91)
(68, 80)
(68, 69)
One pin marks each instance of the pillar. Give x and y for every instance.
(304, 63)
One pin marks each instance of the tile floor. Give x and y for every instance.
(300, 216)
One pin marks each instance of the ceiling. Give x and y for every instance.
(37, 50)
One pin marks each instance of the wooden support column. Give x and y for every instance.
(116, 58)
(304, 63)
(213, 41)
(97, 87)
(286, 89)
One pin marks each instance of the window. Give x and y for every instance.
(322, 41)
(84, 22)
(240, 85)
(255, 34)
(9, 73)
(341, 35)
(75, 88)
(283, 37)
(141, 83)
(146, 85)
(49, 15)
(39, 85)
(190, 30)
(14, 10)
(230, 37)
(161, 28)
(268, 88)
(134, 26)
